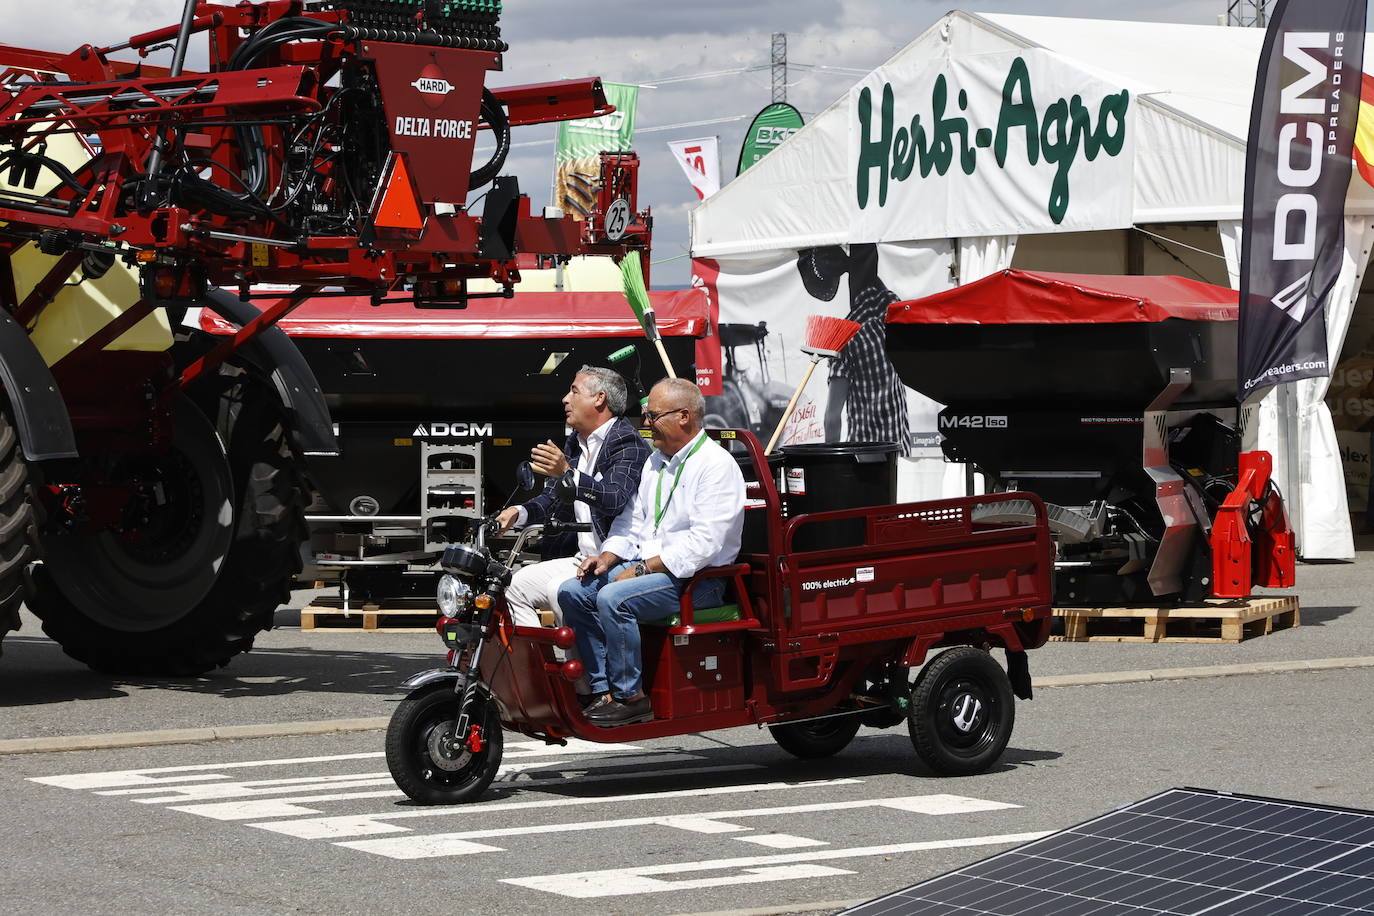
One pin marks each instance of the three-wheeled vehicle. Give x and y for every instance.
(821, 636)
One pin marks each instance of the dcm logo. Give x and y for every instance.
(1299, 159)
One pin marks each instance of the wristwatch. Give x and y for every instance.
(641, 569)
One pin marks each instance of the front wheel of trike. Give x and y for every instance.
(817, 738)
(426, 765)
(962, 712)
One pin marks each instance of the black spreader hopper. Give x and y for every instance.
(1111, 397)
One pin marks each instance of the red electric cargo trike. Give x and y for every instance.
(814, 642)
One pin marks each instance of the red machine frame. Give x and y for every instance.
(420, 230)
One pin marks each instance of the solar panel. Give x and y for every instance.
(1182, 852)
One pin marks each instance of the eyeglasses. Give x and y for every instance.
(653, 418)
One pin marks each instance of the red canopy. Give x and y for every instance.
(1022, 297)
(679, 313)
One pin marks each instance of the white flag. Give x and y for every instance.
(700, 160)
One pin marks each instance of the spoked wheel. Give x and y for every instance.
(819, 738)
(425, 764)
(962, 712)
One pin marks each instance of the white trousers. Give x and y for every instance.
(534, 588)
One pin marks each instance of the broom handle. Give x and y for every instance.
(791, 405)
(663, 355)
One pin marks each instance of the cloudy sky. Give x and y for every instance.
(650, 43)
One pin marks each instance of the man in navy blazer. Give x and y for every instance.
(591, 479)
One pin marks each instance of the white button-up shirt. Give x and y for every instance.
(588, 544)
(699, 494)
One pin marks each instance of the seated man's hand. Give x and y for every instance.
(651, 565)
(506, 517)
(548, 459)
(595, 566)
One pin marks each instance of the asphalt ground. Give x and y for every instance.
(295, 676)
(1118, 736)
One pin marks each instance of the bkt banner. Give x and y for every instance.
(1302, 127)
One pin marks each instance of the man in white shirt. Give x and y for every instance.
(687, 514)
(591, 479)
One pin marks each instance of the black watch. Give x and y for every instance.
(641, 569)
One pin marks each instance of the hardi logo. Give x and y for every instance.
(447, 430)
(432, 86)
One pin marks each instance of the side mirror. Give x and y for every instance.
(524, 476)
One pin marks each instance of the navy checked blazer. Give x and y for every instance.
(620, 463)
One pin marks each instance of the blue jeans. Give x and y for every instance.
(605, 615)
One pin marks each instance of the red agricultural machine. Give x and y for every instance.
(153, 468)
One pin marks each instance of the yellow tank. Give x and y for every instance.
(82, 306)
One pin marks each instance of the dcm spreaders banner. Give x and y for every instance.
(1297, 170)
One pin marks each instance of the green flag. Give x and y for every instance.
(580, 144)
(774, 124)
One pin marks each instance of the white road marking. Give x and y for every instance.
(154, 776)
(207, 791)
(781, 841)
(117, 778)
(296, 806)
(616, 882)
(322, 828)
(716, 822)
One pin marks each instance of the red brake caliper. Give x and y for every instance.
(475, 742)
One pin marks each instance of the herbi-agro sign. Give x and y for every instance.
(998, 144)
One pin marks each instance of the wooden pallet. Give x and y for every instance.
(370, 618)
(1214, 620)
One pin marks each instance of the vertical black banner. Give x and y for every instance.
(1297, 168)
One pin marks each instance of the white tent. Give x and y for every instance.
(1137, 125)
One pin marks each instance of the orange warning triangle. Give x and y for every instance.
(400, 205)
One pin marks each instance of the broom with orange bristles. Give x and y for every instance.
(825, 338)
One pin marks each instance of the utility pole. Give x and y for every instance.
(1247, 13)
(780, 66)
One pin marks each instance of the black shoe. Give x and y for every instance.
(590, 701)
(621, 712)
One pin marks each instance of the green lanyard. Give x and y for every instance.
(660, 507)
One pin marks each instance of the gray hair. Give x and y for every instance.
(684, 393)
(609, 382)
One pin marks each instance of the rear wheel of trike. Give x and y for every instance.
(425, 765)
(962, 712)
(817, 738)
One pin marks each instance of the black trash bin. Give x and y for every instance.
(837, 475)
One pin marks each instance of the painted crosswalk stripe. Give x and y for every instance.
(296, 806)
(155, 776)
(619, 882)
(356, 825)
(714, 822)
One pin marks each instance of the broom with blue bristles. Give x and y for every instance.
(638, 296)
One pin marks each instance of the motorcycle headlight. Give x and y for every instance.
(454, 596)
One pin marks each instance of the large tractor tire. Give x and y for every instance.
(18, 525)
(205, 571)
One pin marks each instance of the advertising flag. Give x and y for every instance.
(577, 162)
(774, 124)
(1297, 170)
(700, 161)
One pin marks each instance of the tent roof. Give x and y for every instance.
(679, 313)
(1022, 297)
(1191, 84)
(1203, 72)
